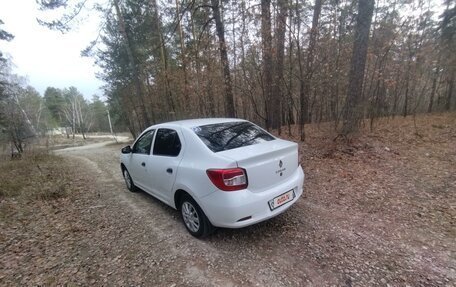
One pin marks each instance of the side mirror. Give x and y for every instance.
(126, 149)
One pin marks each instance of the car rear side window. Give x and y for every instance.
(167, 143)
(144, 143)
(226, 136)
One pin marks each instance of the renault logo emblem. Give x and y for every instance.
(280, 164)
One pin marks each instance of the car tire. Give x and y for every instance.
(128, 180)
(194, 219)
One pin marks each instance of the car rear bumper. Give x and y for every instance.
(242, 208)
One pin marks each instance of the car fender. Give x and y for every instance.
(195, 197)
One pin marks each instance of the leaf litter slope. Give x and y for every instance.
(378, 211)
(390, 198)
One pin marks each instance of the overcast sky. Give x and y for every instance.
(45, 57)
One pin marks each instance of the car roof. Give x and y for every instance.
(199, 122)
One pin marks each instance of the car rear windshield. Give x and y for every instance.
(230, 135)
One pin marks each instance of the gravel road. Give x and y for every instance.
(137, 240)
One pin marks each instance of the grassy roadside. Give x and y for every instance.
(31, 188)
(37, 176)
(40, 220)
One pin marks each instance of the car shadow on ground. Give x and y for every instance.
(150, 199)
(276, 227)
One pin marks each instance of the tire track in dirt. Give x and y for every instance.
(314, 243)
(230, 258)
(159, 223)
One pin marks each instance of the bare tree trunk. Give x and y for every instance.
(79, 117)
(289, 112)
(182, 47)
(303, 103)
(277, 91)
(397, 91)
(25, 116)
(152, 100)
(266, 39)
(407, 83)
(199, 95)
(352, 116)
(210, 96)
(306, 82)
(168, 96)
(235, 78)
(128, 102)
(434, 86)
(229, 99)
(242, 46)
(38, 117)
(339, 32)
(450, 90)
(73, 119)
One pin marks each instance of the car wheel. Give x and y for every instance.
(194, 218)
(128, 181)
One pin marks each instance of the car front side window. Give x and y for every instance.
(167, 143)
(144, 143)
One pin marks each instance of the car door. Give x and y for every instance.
(163, 162)
(138, 159)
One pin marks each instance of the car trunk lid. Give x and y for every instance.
(267, 164)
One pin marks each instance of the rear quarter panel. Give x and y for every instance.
(191, 174)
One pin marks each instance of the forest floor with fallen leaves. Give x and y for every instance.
(377, 211)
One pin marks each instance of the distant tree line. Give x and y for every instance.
(68, 108)
(26, 115)
(275, 62)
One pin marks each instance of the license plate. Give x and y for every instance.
(281, 199)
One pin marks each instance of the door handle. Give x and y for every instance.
(169, 170)
(143, 164)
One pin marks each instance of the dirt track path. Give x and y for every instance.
(150, 236)
(137, 240)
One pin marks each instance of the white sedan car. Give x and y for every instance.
(217, 172)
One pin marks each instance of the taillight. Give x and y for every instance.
(228, 179)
